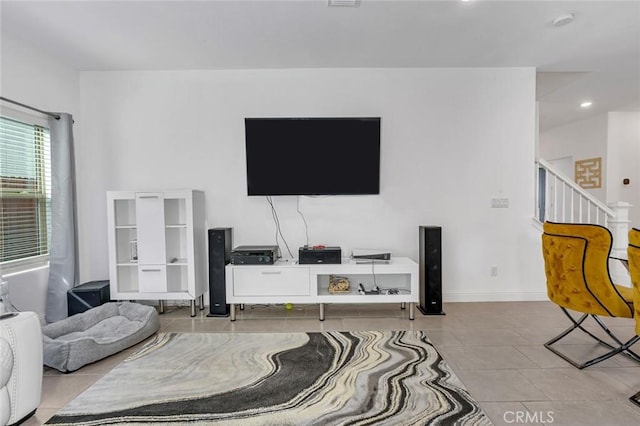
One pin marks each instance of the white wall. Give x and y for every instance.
(623, 161)
(28, 290)
(582, 140)
(616, 138)
(451, 140)
(31, 77)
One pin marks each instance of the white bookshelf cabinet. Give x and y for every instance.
(157, 246)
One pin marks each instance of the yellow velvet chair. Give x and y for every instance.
(633, 252)
(576, 258)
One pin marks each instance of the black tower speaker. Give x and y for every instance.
(430, 270)
(219, 256)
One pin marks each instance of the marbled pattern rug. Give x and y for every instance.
(329, 378)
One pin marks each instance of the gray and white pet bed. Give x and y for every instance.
(97, 333)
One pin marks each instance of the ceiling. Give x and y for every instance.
(596, 57)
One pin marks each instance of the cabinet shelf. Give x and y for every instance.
(179, 262)
(355, 293)
(128, 264)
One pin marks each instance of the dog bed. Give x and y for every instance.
(97, 333)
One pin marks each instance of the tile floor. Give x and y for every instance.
(496, 349)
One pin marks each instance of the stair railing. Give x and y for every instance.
(560, 199)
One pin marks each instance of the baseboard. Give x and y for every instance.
(518, 296)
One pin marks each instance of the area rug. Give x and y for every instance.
(328, 378)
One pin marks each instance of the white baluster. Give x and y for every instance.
(619, 227)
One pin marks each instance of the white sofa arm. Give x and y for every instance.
(23, 333)
(6, 367)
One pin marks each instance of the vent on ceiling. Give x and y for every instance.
(343, 3)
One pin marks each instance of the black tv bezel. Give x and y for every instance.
(375, 191)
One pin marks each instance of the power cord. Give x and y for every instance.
(373, 272)
(276, 221)
(306, 227)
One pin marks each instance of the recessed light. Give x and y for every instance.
(563, 20)
(586, 104)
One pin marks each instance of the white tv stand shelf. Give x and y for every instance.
(290, 282)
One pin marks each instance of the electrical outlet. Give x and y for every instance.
(494, 271)
(499, 203)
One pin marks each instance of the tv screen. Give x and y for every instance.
(313, 156)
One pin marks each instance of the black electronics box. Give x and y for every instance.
(314, 255)
(87, 296)
(255, 255)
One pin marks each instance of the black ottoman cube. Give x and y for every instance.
(87, 296)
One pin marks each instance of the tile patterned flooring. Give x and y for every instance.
(495, 348)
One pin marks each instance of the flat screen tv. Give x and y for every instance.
(313, 156)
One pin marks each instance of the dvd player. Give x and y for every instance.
(369, 255)
(255, 255)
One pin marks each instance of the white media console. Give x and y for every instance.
(290, 282)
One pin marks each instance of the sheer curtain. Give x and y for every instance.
(63, 252)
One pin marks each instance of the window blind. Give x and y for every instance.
(25, 190)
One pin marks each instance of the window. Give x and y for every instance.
(25, 192)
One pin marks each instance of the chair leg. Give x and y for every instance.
(635, 399)
(626, 346)
(623, 348)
